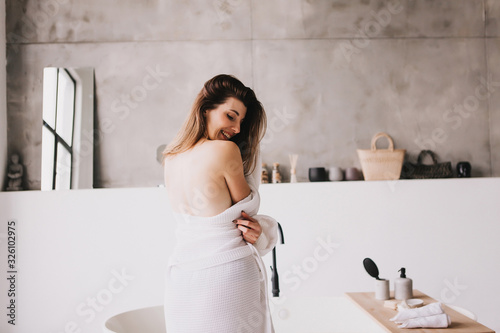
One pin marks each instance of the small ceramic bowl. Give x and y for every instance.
(414, 303)
(335, 174)
(352, 174)
(317, 174)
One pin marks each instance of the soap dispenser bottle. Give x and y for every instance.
(403, 286)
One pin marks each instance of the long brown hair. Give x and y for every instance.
(215, 92)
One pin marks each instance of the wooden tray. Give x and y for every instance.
(375, 308)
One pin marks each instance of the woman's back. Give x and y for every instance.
(196, 179)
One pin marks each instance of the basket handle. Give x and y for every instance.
(423, 153)
(380, 135)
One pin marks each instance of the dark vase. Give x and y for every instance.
(463, 169)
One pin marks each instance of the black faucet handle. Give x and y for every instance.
(281, 233)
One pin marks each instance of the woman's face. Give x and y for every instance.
(224, 121)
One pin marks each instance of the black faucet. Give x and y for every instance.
(274, 269)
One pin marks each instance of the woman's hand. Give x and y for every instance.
(250, 228)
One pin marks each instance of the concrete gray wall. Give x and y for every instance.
(330, 74)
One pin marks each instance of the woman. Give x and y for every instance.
(216, 281)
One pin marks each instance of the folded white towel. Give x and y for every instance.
(425, 311)
(436, 321)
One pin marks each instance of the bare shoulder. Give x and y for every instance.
(225, 150)
(225, 156)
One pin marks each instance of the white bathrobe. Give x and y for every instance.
(215, 281)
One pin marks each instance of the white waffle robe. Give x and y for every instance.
(215, 281)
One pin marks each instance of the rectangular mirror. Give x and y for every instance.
(68, 122)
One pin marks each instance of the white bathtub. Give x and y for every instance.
(290, 315)
(320, 315)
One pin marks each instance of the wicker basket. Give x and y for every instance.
(381, 164)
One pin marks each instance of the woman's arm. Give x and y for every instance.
(233, 171)
(250, 228)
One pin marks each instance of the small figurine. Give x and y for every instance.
(276, 173)
(15, 174)
(264, 177)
